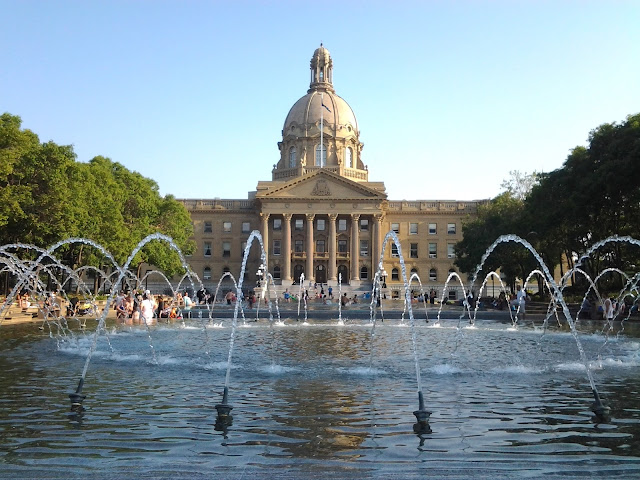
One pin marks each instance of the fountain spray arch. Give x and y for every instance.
(598, 407)
(279, 331)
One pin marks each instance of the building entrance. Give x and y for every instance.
(297, 271)
(321, 274)
(344, 271)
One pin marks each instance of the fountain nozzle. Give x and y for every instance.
(224, 409)
(77, 397)
(600, 409)
(422, 416)
(224, 419)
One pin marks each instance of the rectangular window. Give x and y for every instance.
(453, 295)
(413, 229)
(226, 227)
(433, 229)
(342, 224)
(451, 250)
(364, 225)
(277, 224)
(413, 251)
(364, 248)
(394, 250)
(433, 250)
(451, 228)
(207, 249)
(299, 225)
(246, 227)
(319, 246)
(395, 227)
(276, 247)
(226, 249)
(206, 274)
(298, 246)
(342, 246)
(208, 228)
(320, 224)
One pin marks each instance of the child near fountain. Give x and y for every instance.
(521, 301)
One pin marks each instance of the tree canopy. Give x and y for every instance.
(594, 195)
(47, 196)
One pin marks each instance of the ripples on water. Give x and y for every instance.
(318, 401)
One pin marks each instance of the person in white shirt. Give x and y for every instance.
(609, 309)
(521, 301)
(187, 305)
(146, 308)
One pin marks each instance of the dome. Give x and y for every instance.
(320, 130)
(321, 52)
(336, 113)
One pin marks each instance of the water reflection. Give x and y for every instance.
(316, 396)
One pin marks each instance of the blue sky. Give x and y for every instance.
(449, 95)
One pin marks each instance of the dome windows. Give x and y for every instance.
(349, 158)
(321, 156)
(292, 157)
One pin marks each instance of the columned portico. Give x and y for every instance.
(333, 275)
(355, 249)
(265, 233)
(309, 272)
(287, 247)
(376, 241)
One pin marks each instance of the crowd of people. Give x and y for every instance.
(145, 308)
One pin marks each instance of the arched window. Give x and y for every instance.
(364, 273)
(349, 159)
(433, 275)
(276, 272)
(225, 270)
(414, 270)
(292, 157)
(206, 273)
(343, 273)
(321, 156)
(394, 274)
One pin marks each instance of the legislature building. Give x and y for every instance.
(321, 215)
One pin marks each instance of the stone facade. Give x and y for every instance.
(321, 216)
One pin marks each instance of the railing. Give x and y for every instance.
(354, 173)
(217, 204)
(433, 206)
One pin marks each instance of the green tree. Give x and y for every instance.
(519, 184)
(33, 186)
(500, 216)
(596, 194)
(47, 196)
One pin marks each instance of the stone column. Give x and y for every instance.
(286, 252)
(355, 249)
(309, 274)
(265, 234)
(333, 266)
(376, 241)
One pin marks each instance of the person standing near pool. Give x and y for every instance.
(146, 308)
(521, 301)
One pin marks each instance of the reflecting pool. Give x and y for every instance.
(321, 400)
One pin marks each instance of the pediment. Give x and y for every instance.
(321, 185)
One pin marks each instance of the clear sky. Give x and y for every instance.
(449, 95)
